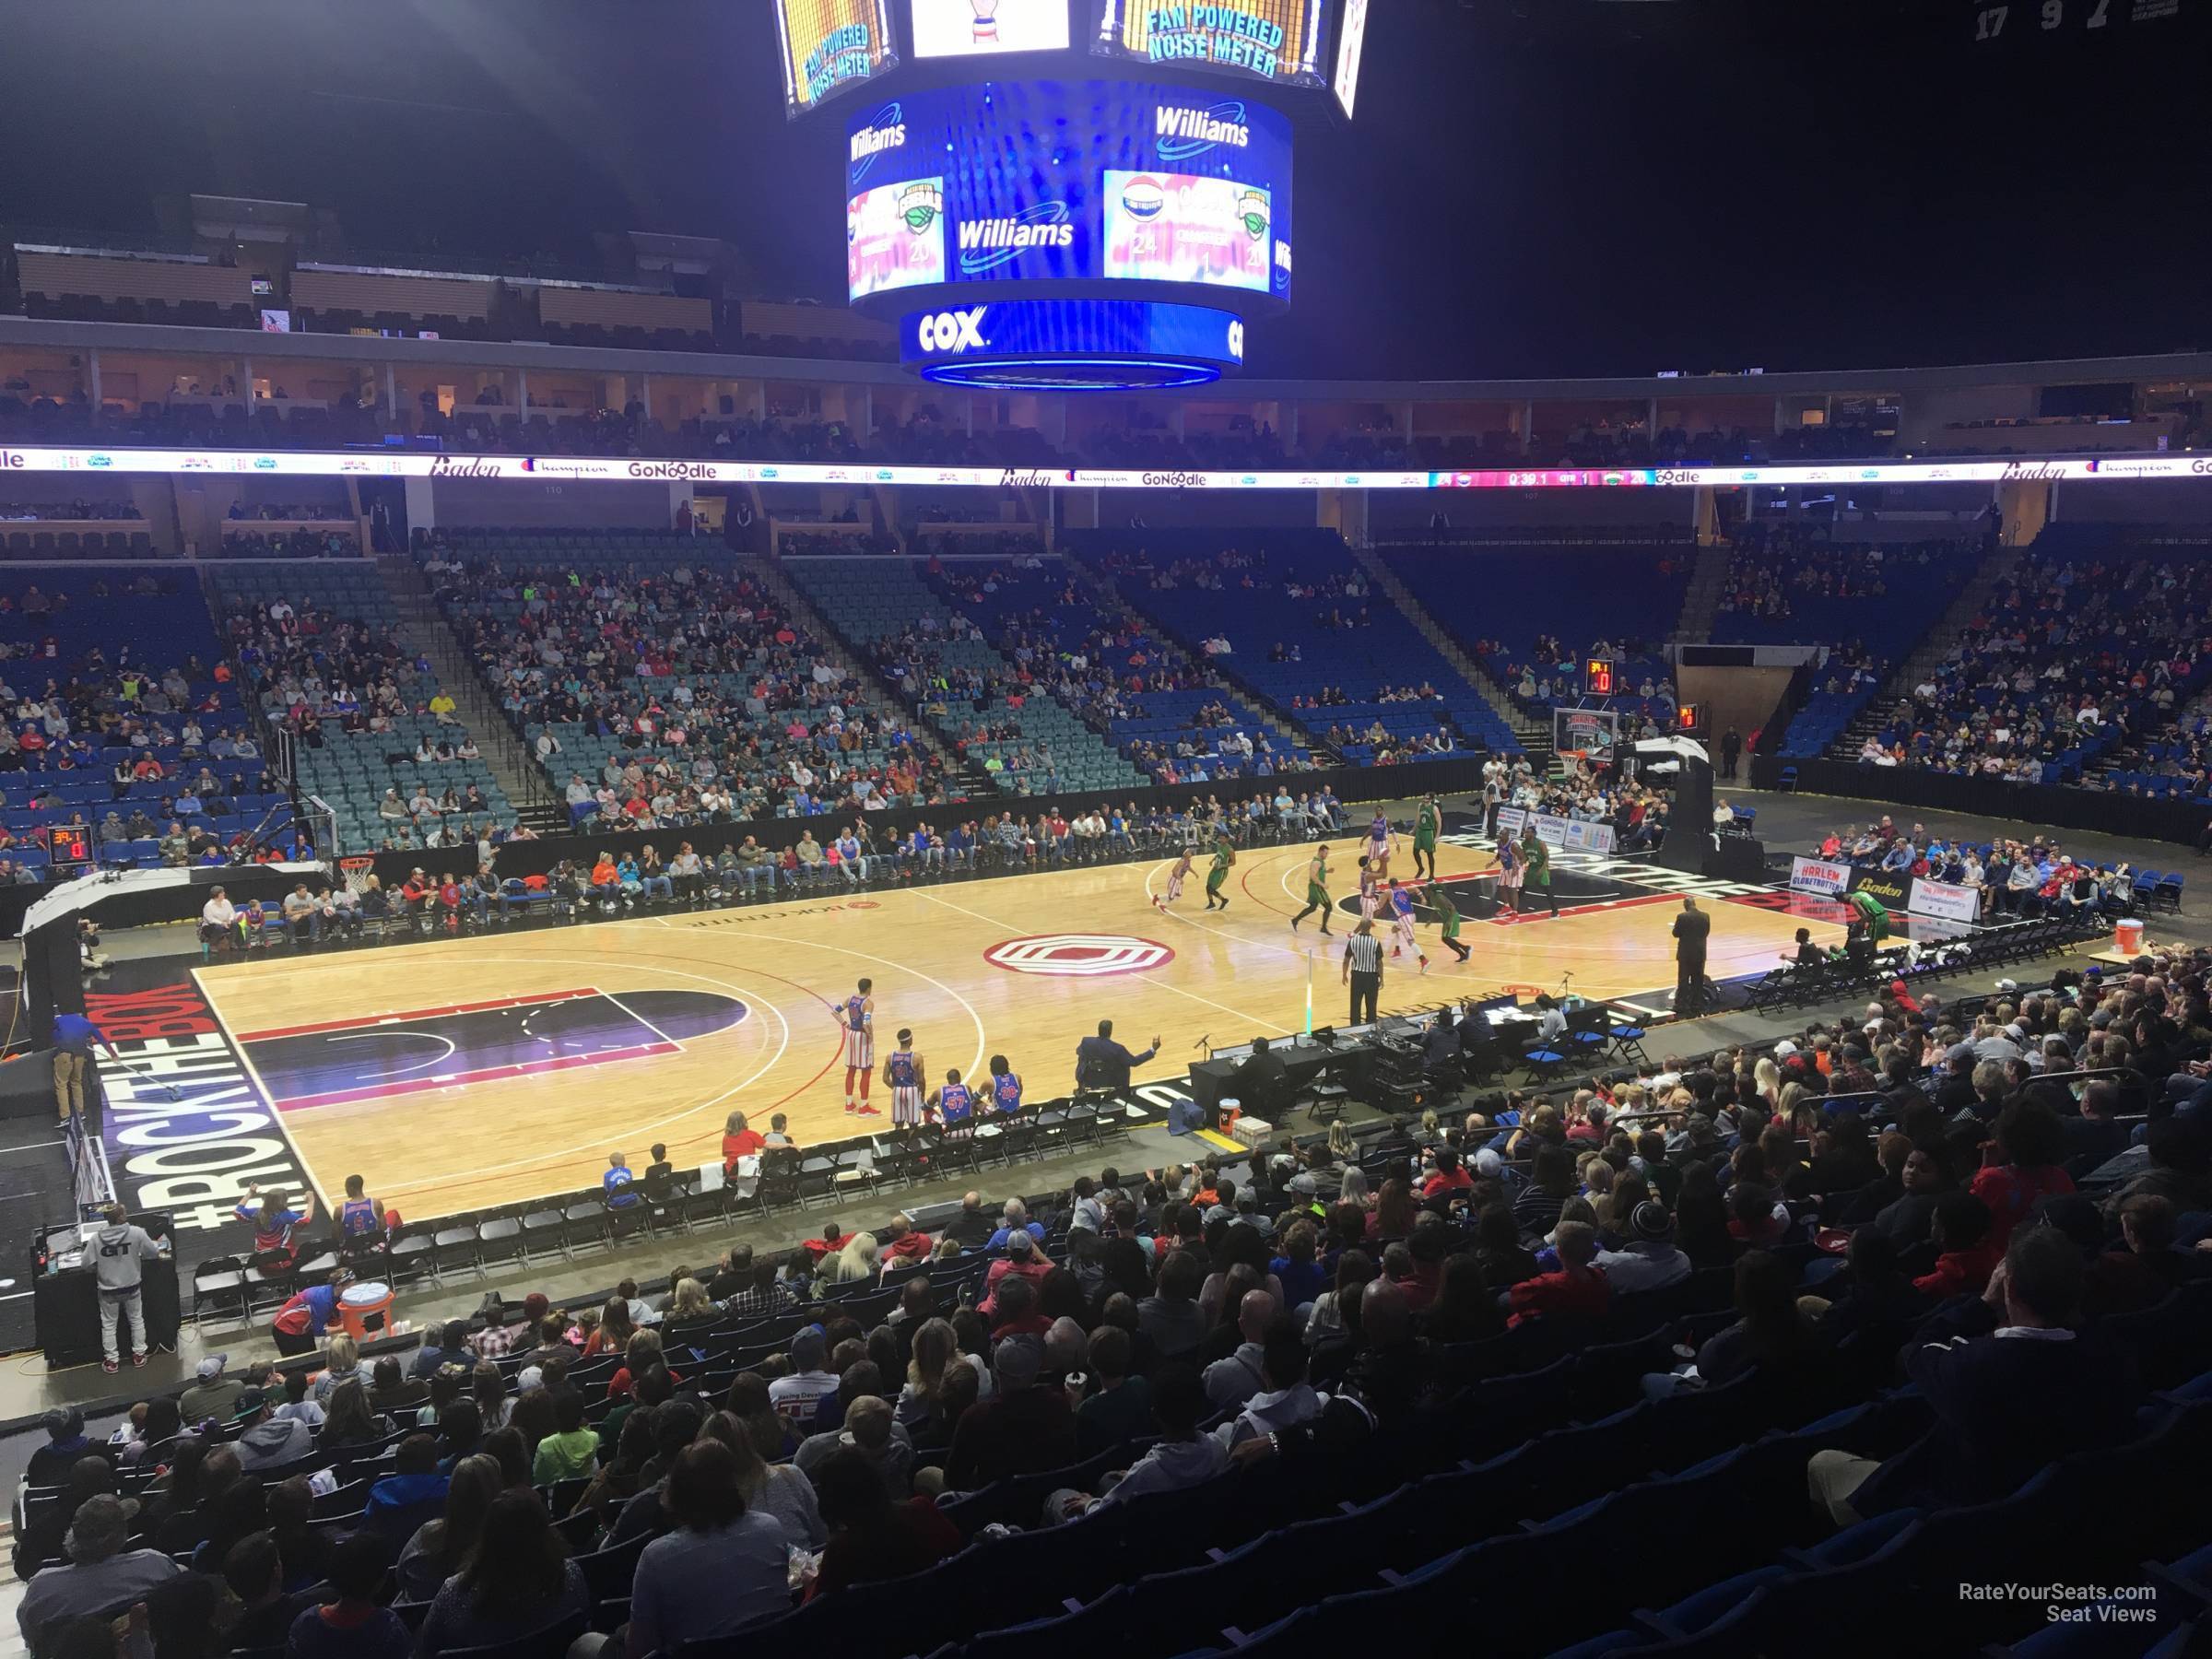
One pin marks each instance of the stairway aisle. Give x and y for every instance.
(1534, 736)
(1694, 627)
(1935, 645)
(423, 628)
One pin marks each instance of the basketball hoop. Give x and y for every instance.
(355, 871)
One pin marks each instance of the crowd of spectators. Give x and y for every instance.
(2066, 659)
(1913, 1187)
(1114, 671)
(108, 508)
(713, 704)
(297, 541)
(2017, 878)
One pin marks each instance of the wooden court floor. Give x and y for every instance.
(459, 1073)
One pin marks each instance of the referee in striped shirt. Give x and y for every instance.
(1363, 970)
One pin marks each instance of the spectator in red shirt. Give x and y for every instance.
(739, 1140)
(903, 1241)
(2029, 1147)
(1966, 1250)
(1451, 1175)
(1576, 1288)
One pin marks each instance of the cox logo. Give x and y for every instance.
(1236, 340)
(951, 331)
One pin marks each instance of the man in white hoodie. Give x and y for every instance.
(1288, 1399)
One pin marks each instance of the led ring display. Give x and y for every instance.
(1119, 345)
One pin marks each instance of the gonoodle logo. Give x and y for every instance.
(886, 131)
(988, 244)
(951, 332)
(1236, 339)
(1183, 133)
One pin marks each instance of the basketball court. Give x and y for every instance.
(458, 1073)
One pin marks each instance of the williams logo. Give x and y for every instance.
(886, 131)
(951, 331)
(1183, 133)
(988, 244)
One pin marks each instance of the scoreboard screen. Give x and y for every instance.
(1351, 39)
(1277, 40)
(938, 29)
(1088, 182)
(830, 46)
(68, 844)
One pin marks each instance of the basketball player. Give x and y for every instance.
(1317, 892)
(1381, 844)
(1367, 889)
(1448, 913)
(953, 1105)
(857, 1015)
(902, 1076)
(1175, 876)
(1401, 924)
(1509, 871)
(1005, 1089)
(1426, 823)
(1224, 856)
(1537, 857)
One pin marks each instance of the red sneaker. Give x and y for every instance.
(866, 1111)
(110, 1367)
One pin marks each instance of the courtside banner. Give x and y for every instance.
(1817, 876)
(413, 464)
(1511, 820)
(1941, 900)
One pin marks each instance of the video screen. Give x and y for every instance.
(1174, 228)
(982, 27)
(831, 46)
(1351, 35)
(1082, 182)
(1277, 41)
(895, 237)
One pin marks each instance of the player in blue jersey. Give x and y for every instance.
(359, 1217)
(1401, 923)
(954, 1105)
(902, 1076)
(1005, 1089)
(856, 1014)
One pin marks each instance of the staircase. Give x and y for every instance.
(1694, 627)
(1534, 736)
(1934, 646)
(424, 630)
(1106, 599)
(770, 568)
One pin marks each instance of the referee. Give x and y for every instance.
(1363, 970)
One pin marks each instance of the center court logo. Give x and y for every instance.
(988, 244)
(1183, 133)
(1078, 955)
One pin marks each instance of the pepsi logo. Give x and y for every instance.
(1078, 955)
(1142, 198)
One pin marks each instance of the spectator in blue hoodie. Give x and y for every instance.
(403, 1501)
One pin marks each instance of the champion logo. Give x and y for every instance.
(1078, 955)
